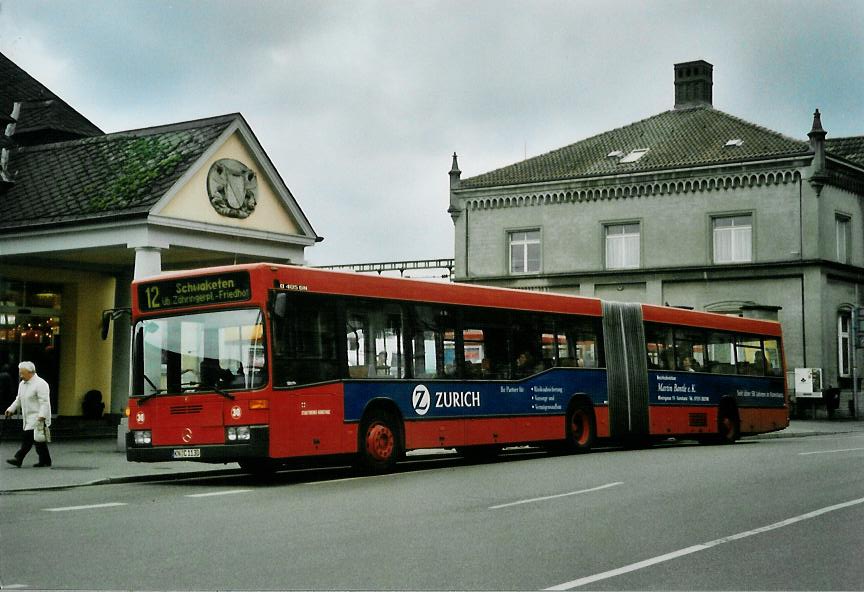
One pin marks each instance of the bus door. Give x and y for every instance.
(627, 369)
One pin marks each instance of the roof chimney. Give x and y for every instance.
(693, 83)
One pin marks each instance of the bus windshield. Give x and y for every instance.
(211, 351)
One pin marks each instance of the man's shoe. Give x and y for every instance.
(14, 462)
(41, 464)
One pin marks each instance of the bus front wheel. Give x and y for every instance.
(380, 444)
(581, 428)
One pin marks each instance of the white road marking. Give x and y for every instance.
(702, 547)
(343, 480)
(549, 497)
(15, 586)
(830, 451)
(90, 507)
(213, 493)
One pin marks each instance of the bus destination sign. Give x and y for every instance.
(194, 291)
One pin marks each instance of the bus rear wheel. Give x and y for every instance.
(380, 443)
(729, 427)
(581, 428)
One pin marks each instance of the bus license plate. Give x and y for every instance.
(187, 453)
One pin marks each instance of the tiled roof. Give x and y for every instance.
(115, 175)
(851, 149)
(52, 114)
(43, 109)
(674, 139)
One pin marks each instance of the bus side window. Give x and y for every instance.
(357, 331)
(525, 345)
(484, 343)
(389, 358)
(720, 353)
(773, 361)
(658, 339)
(750, 359)
(304, 344)
(578, 343)
(690, 350)
(433, 341)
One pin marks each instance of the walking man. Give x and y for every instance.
(35, 404)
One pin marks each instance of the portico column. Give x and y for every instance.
(148, 262)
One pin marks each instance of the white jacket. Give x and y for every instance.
(34, 400)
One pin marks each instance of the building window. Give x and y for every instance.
(843, 229)
(844, 345)
(622, 246)
(733, 239)
(525, 251)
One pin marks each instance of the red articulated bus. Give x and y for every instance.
(264, 364)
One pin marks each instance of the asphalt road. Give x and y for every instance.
(785, 514)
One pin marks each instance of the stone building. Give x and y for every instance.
(691, 207)
(84, 212)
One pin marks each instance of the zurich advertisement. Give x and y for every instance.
(544, 394)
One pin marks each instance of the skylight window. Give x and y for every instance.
(615, 154)
(734, 143)
(634, 155)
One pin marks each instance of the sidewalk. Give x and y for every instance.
(97, 460)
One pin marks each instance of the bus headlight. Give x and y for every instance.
(143, 437)
(240, 433)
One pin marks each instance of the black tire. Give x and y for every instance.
(581, 428)
(380, 442)
(728, 426)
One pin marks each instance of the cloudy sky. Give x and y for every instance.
(360, 104)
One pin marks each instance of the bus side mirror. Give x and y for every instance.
(112, 314)
(280, 305)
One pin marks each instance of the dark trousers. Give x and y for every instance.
(27, 443)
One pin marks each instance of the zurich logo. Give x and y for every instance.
(421, 400)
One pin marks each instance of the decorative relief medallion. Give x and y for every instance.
(232, 187)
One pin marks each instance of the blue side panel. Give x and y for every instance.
(691, 388)
(544, 394)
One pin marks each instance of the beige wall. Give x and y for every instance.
(193, 203)
(85, 360)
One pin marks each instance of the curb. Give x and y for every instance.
(777, 435)
(129, 479)
(166, 477)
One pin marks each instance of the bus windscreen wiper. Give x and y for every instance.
(215, 389)
(156, 390)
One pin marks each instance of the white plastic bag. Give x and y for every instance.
(41, 433)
